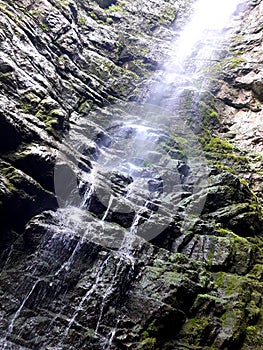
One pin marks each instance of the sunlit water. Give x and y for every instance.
(202, 36)
(209, 20)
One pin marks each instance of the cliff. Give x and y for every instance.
(130, 198)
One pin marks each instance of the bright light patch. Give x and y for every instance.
(209, 16)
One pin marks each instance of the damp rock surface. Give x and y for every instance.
(130, 203)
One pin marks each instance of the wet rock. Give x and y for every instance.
(38, 162)
(242, 85)
(174, 276)
(106, 3)
(25, 197)
(6, 67)
(8, 128)
(89, 278)
(155, 185)
(257, 88)
(36, 229)
(121, 179)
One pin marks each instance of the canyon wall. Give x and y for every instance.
(178, 266)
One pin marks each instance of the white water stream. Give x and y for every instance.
(209, 22)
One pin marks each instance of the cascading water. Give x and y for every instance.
(125, 180)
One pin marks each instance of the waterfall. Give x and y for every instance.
(125, 183)
(130, 163)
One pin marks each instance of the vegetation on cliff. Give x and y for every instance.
(72, 73)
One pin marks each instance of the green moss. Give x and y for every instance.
(181, 148)
(230, 284)
(194, 329)
(210, 117)
(236, 61)
(238, 38)
(220, 276)
(213, 114)
(181, 140)
(238, 52)
(61, 59)
(221, 232)
(148, 340)
(44, 27)
(81, 21)
(217, 144)
(222, 154)
(6, 78)
(85, 106)
(12, 177)
(147, 344)
(3, 8)
(34, 13)
(253, 337)
(51, 119)
(114, 8)
(28, 102)
(153, 327)
(222, 166)
(9, 185)
(109, 20)
(256, 272)
(145, 335)
(89, 333)
(140, 67)
(219, 152)
(143, 51)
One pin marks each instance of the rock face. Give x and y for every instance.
(130, 203)
(239, 98)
